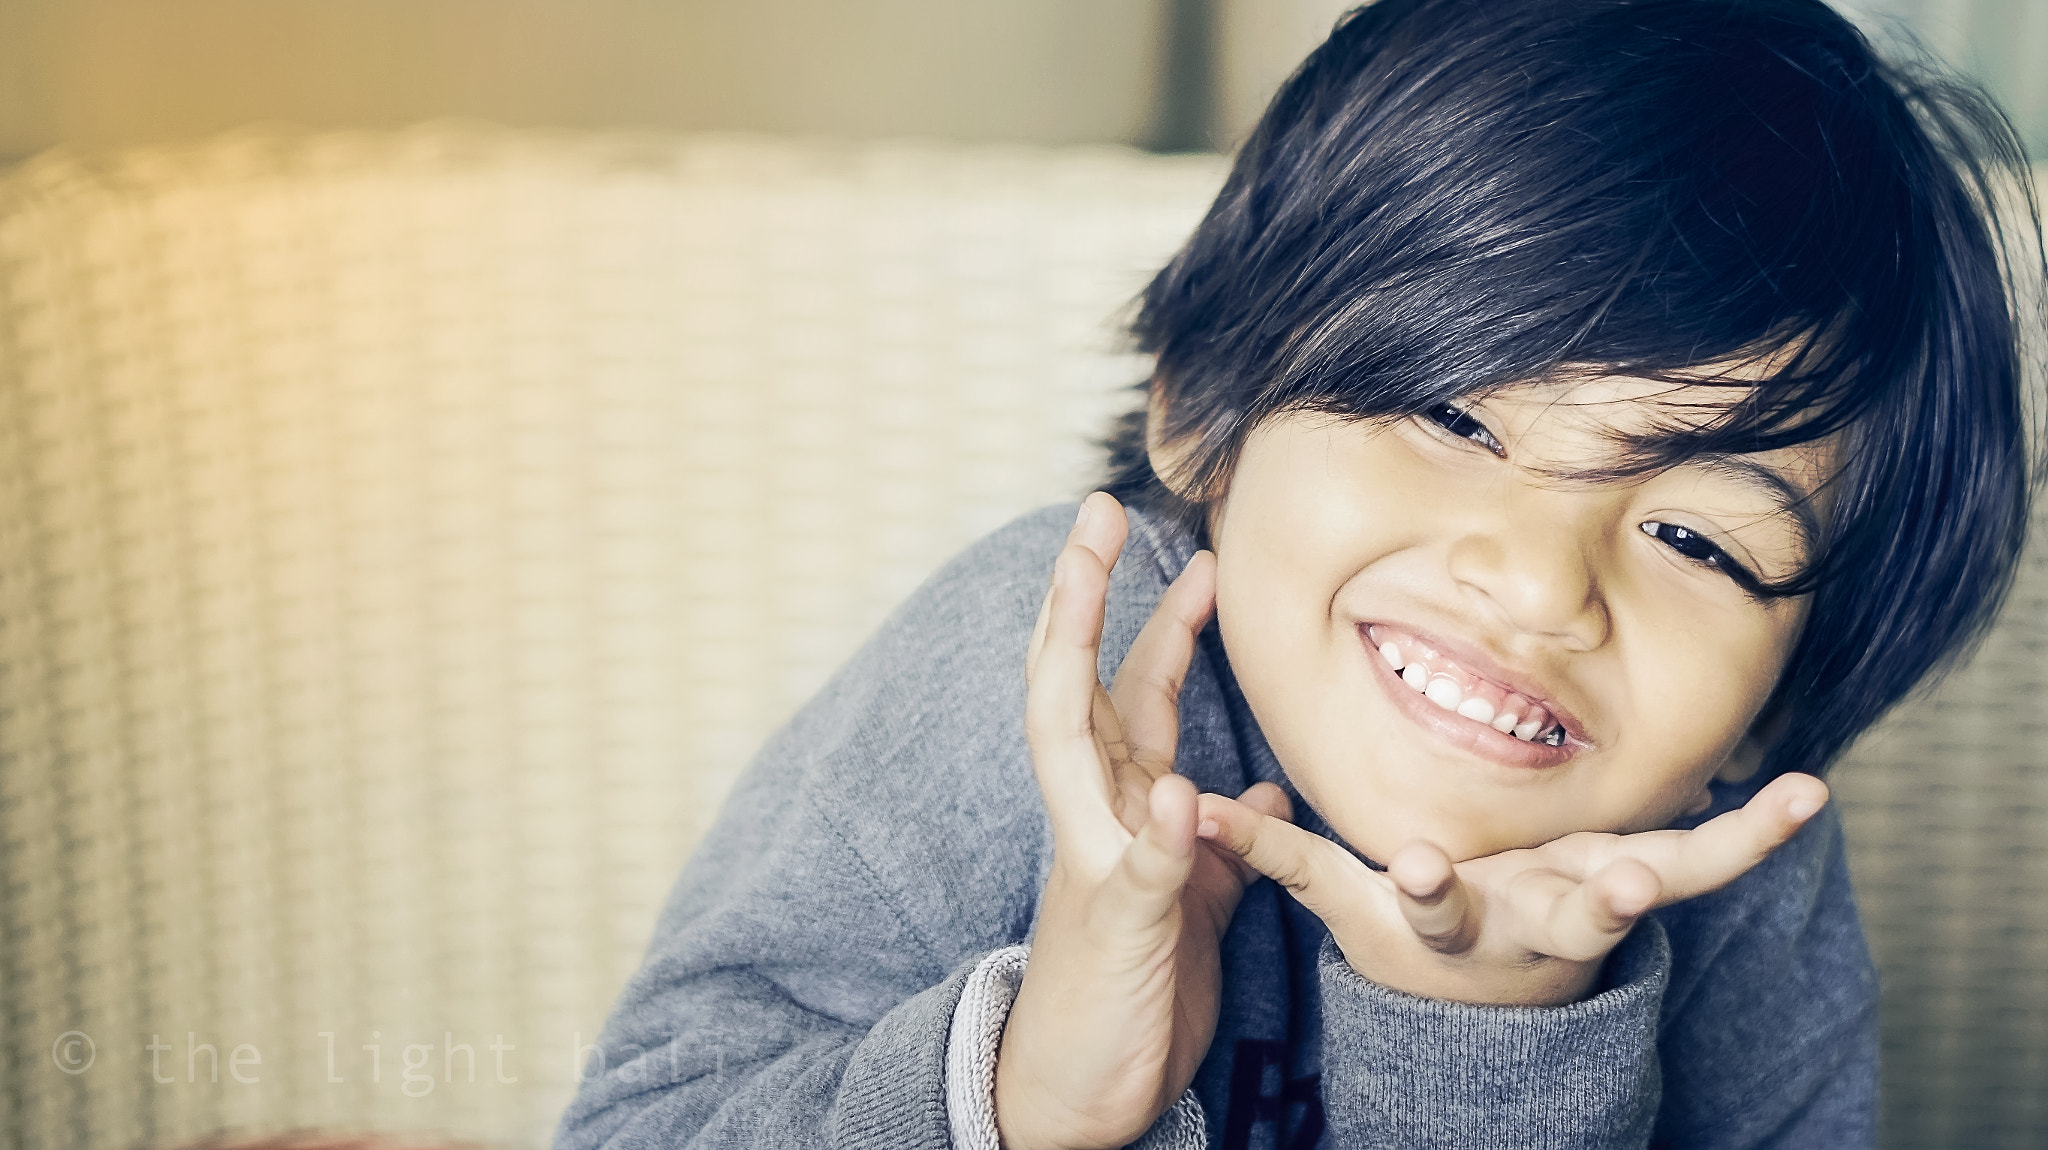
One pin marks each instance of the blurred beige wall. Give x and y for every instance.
(117, 71)
(1258, 44)
(1174, 73)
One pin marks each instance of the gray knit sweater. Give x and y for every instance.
(804, 974)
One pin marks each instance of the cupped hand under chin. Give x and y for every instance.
(1526, 927)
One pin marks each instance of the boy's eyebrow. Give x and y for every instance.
(1770, 483)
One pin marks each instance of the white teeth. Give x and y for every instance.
(1444, 693)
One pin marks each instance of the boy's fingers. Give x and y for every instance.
(1060, 722)
(1268, 800)
(1587, 919)
(1147, 881)
(1101, 526)
(1722, 849)
(1129, 785)
(1038, 634)
(1321, 875)
(1147, 688)
(1433, 898)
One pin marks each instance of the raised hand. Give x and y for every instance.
(1120, 996)
(1523, 927)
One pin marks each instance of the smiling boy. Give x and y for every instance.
(1574, 423)
(1614, 636)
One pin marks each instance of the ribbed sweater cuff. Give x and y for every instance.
(976, 1038)
(973, 1043)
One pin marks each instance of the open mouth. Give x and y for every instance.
(1471, 710)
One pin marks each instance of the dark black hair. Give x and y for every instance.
(1454, 196)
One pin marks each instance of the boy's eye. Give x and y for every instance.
(1460, 423)
(1694, 547)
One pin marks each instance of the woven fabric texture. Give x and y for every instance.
(405, 538)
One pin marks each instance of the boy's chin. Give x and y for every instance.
(1377, 830)
(1377, 841)
(1377, 845)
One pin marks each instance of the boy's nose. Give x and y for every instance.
(1537, 575)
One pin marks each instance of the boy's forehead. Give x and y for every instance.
(1616, 404)
(1635, 405)
(1725, 376)
(1588, 417)
(1587, 422)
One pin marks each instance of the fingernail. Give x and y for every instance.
(1426, 894)
(1207, 829)
(1801, 809)
(1628, 907)
(1081, 516)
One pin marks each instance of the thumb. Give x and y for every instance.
(1144, 888)
(1722, 849)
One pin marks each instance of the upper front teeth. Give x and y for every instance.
(1444, 691)
(1476, 709)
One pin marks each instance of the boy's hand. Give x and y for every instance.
(1120, 996)
(1523, 927)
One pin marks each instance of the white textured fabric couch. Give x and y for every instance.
(405, 538)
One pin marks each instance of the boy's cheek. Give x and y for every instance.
(1685, 795)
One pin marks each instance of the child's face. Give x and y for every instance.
(1452, 547)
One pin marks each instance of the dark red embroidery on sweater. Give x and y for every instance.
(1250, 1104)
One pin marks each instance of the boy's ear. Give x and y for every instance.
(1749, 753)
(1167, 458)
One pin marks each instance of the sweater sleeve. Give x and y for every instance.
(799, 1007)
(802, 979)
(1401, 1071)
